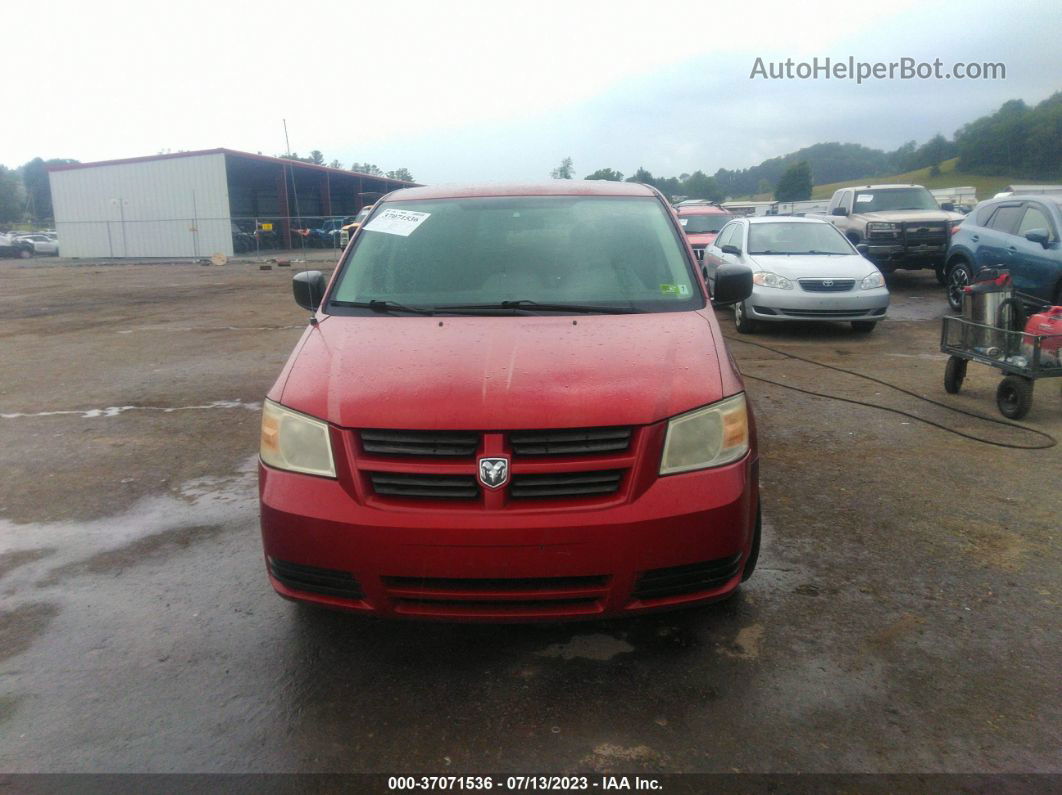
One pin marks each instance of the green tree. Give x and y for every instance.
(795, 184)
(335, 164)
(699, 185)
(34, 176)
(11, 196)
(606, 174)
(371, 169)
(316, 157)
(642, 176)
(566, 170)
(401, 173)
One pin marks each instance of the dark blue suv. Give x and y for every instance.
(1019, 233)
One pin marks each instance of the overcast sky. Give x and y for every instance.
(459, 91)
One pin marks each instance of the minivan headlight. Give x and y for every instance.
(872, 280)
(295, 442)
(706, 437)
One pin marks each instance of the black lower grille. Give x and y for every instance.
(929, 233)
(566, 484)
(826, 285)
(496, 584)
(403, 484)
(688, 579)
(424, 443)
(582, 441)
(330, 582)
(824, 313)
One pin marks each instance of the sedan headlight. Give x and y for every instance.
(707, 437)
(768, 279)
(295, 442)
(872, 280)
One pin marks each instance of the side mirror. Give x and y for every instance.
(1038, 236)
(733, 284)
(842, 211)
(729, 249)
(309, 288)
(948, 207)
(863, 249)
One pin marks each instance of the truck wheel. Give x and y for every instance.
(754, 553)
(745, 324)
(864, 326)
(959, 276)
(954, 375)
(25, 253)
(1014, 396)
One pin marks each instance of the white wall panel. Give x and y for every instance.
(171, 207)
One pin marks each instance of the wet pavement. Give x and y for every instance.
(903, 617)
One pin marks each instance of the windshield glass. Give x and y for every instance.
(601, 251)
(797, 238)
(702, 224)
(872, 201)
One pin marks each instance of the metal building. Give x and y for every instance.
(195, 204)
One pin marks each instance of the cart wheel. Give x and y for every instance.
(1014, 396)
(954, 375)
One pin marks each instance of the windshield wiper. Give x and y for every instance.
(528, 304)
(386, 306)
(826, 253)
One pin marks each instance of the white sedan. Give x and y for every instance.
(42, 244)
(803, 269)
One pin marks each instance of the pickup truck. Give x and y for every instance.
(896, 226)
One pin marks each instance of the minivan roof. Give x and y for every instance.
(555, 187)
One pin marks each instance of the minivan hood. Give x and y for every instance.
(799, 266)
(484, 373)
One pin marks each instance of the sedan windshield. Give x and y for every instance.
(518, 254)
(797, 238)
(703, 224)
(873, 201)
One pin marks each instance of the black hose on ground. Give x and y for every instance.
(1050, 440)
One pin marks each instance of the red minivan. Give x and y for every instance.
(511, 403)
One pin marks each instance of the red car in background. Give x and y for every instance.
(701, 223)
(511, 403)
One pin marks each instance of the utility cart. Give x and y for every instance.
(1023, 356)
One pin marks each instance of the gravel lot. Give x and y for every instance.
(904, 616)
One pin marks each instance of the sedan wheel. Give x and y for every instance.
(958, 278)
(745, 324)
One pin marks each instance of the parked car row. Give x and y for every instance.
(27, 245)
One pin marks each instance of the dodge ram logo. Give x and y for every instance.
(494, 472)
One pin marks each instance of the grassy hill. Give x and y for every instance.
(987, 187)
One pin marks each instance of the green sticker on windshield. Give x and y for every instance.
(677, 290)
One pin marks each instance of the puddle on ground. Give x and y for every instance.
(588, 647)
(37, 556)
(114, 411)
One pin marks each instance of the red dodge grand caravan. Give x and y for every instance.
(511, 403)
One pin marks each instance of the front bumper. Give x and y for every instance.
(682, 540)
(899, 255)
(773, 305)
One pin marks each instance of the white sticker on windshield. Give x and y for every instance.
(863, 198)
(397, 222)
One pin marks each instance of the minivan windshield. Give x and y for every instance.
(794, 237)
(703, 224)
(872, 201)
(555, 252)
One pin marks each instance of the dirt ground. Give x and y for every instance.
(904, 617)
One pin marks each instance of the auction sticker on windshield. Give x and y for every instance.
(397, 222)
